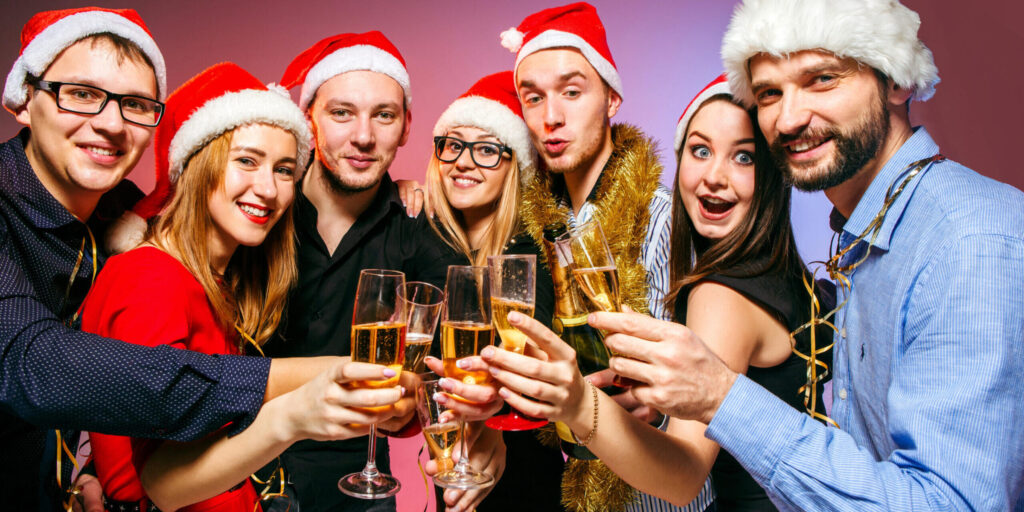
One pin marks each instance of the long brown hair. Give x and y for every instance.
(252, 292)
(451, 226)
(762, 242)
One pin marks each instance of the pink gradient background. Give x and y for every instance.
(665, 52)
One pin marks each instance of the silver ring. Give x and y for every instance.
(417, 190)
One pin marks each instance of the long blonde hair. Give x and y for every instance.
(451, 225)
(253, 290)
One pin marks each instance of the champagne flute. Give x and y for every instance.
(593, 267)
(423, 303)
(378, 336)
(465, 330)
(513, 288)
(441, 436)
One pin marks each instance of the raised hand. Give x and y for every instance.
(549, 387)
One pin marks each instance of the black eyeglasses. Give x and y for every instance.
(484, 154)
(88, 99)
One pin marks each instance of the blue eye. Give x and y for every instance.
(744, 158)
(700, 151)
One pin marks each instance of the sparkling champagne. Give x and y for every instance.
(379, 343)
(417, 346)
(601, 285)
(511, 338)
(441, 440)
(464, 339)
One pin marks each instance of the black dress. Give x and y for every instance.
(786, 299)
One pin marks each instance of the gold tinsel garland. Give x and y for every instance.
(623, 197)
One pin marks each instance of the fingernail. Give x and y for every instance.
(439, 398)
(591, 318)
(445, 383)
(504, 393)
(494, 371)
(515, 317)
(487, 353)
(388, 372)
(401, 390)
(461, 363)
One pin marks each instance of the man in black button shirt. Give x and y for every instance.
(355, 90)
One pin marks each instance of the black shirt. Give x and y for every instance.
(319, 319)
(785, 298)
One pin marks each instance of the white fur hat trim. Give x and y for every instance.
(706, 94)
(51, 41)
(879, 33)
(361, 57)
(558, 39)
(234, 109)
(492, 117)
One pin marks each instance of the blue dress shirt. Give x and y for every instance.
(929, 360)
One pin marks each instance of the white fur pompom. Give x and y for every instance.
(273, 86)
(124, 233)
(512, 39)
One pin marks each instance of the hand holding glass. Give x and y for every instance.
(513, 288)
(465, 330)
(378, 336)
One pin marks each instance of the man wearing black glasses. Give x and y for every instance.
(87, 86)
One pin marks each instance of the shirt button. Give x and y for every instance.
(842, 394)
(842, 333)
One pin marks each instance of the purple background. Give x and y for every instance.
(665, 52)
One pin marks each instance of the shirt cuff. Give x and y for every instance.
(242, 386)
(756, 427)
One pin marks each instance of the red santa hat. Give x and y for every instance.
(492, 105)
(879, 33)
(370, 51)
(720, 85)
(221, 98)
(570, 26)
(48, 33)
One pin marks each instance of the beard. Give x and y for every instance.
(339, 185)
(584, 154)
(855, 147)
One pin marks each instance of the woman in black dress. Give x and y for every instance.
(738, 285)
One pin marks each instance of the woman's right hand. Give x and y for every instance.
(414, 197)
(549, 386)
(325, 409)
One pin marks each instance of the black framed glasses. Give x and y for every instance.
(484, 154)
(89, 99)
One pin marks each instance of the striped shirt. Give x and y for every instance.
(654, 255)
(929, 359)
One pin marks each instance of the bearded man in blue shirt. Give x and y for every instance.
(929, 344)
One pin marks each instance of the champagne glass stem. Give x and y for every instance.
(463, 457)
(370, 470)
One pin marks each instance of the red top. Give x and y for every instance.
(147, 297)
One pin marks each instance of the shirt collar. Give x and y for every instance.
(920, 145)
(27, 194)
